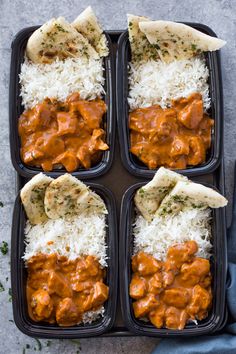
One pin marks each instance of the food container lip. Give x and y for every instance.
(219, 262)
(131, 163)
(19, 303)
(15, 109)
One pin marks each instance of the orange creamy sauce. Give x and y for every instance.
(175, 137)
(60, 290)
(171, 293)
(63, 133)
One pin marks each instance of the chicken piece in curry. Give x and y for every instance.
(174, 137)
(65, 134)
(172, 292)
(61, 290)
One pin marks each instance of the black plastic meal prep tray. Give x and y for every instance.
(19, 278)
(130, 161)
(16, 109)
(118, 180)
(218, 270)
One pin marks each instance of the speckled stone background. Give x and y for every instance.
(220, 15)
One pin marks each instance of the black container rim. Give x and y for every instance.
(216, 92)
(15, 109)
(19, 303)
(126, 238)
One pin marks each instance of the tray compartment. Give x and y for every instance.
(19, 278)
(131, 162)
(16, 109)
(218, 268)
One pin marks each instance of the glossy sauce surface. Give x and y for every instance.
(175, 137)
(171, 293)
(63, 133)
(60, 290)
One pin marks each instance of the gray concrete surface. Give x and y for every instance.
(220, 15)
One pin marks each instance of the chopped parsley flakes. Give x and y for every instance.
(4, 247)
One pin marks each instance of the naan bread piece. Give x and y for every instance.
(148, 198)
(176, 41)
(87, 24)
(141, 49)
(189, 195)
(32, 197)
(91, 202)
(57, 39)
(61, 197)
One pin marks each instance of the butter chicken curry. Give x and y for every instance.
(66, 133)
(173, 292)
(61, 290)
(175, 137)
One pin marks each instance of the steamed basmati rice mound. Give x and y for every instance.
(157, 236)
(81, 235)
(156, 82)
(60, 79)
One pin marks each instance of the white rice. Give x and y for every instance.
(60, 79)
(157, 82)
(157, 236)
(82, 235)
(91, 316)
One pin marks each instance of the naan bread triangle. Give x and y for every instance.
(57, 39)
(87, 24)
(176, 41)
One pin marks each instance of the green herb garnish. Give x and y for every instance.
(141, 191)
(60, 28)
(4, 247)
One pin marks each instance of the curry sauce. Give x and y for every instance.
(65, 134)
(173, 292)
(61, 290)
(174, 137)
